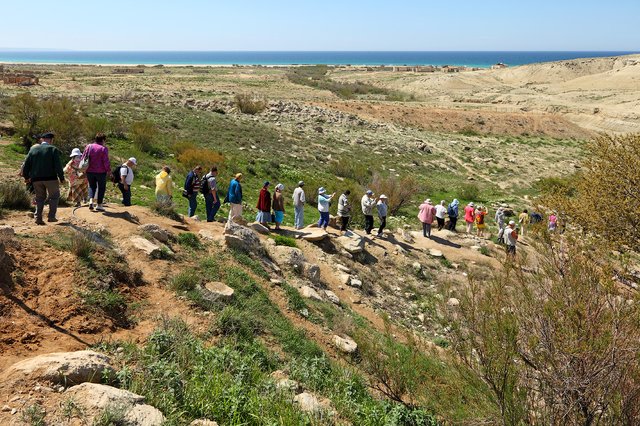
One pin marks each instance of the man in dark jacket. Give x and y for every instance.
(192, 188)
(43, 169)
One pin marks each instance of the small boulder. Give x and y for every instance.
(206, 235)
(259, 228)
(315, 235)
(417, 267)
(344, 279)
(453, 302)
(286, 256)
(216, 291)
(354, 282)
(351, 242)
(140, 243)
(345, 344)
(309, 403)
(332, 297)
(310, 293)
(62, 368)
(242, 238)
(340, 267)
(311, 272)
(95, 398)
(156, 231)
(6, 232)
(435, 253)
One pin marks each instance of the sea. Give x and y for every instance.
(370, 58)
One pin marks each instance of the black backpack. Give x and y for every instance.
(115, 174)
(204, 185)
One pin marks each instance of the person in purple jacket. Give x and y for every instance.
(99, 167)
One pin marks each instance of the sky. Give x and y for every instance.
(321, 25)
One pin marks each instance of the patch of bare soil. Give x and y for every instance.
(465, 121)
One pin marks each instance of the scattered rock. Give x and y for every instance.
(312, 272)
(332, 297)
(95, 398)
(286, 256)
(351, 242)
(421, 318)
(276, 281)
(342, 268)
(354, 282)
(216, 291)
(453, 302)
(309, 403)
(206, 234)
(6, 232)
(242, 238)
(260, 228)
(310, 293)
(62, 368)
(6, 408)
(417, 267)
(145, 245)
(345, 344)
(435, 253)
(156, 231)
(315, 235)
(407, 236)
(344, 279)
(203, 422)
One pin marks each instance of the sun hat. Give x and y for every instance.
(301, 183)
(383, 196)
(428, 200)
(134, 161)
(75, 152)
(321, 190)
(471, 204)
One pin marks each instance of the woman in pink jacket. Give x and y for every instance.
(470, 216)
(97, 171)
(426, 215)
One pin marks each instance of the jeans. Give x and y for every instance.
(452, 223)
(324, 220)
(383, 224)
(298, 216)
(193, 204)
(344, 222)
(368, 223)
(426, 230)
(126, 194)
(42, 189)
(97, 186)
(211, 207)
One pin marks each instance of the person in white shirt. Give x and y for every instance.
(298, 206)
(323, 207)
(126, 179)
(510, 238)
(367, 203)
(382, 208)
(441, 211)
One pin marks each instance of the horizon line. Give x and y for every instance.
(18, 49)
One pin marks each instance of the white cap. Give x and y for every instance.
(428, 200)
(75, 152)
(383, 196)
(134, 161)
(512, 222)
(322, 190)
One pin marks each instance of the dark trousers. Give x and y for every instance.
(212, 208)
(368, 223)
(126, 194)
(440, 223)
(46, 189)
(452, 223)
(383, 224)
(193, 204)
(97, 186)
(344, 222)
(426, 229)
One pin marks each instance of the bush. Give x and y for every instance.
(62, 117)
(143, 134)
(81, 244)
(26, 112)
(250, 103)
(469, 191)
(281, 240)
(166, 210)
(235, 322)
(190, 157)
(109, 301)
(185, 281)
(189, 239)
(400, 190)
(14, 195)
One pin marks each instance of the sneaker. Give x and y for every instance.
(78, 204)
(52, 219)
(90, 206)
(39, 222)
(99, 208)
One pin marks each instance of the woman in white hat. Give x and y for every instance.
(78, 184)
(323, 207)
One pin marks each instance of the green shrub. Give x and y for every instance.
(485, 251)
(143, 135)
(13, 195)
(282, 240)
(34, 415)
(189, 239)
(235, 322)
(81, 244)
(110, 301)
(112, 415)
(250, 104)
(166, 210)
(469, 191)
(185, 280)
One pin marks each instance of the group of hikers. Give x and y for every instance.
(89, 170)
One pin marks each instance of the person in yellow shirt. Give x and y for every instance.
(524, 221)
(164, 185)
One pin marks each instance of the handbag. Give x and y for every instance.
(84, 162)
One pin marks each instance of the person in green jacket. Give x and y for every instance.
(43, 169)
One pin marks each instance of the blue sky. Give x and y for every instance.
(321, 25)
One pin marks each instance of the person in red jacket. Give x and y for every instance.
(470, 216)
(264, 205)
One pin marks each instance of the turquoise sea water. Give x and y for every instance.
(472, 59)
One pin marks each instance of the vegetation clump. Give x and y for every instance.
(250, 103)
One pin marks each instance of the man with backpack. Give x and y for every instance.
(209, 188)
(510, 238)
(192, 186)
(125, 172)
(452, 212)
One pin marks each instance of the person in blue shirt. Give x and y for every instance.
(234, 196)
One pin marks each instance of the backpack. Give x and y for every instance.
(204, 185)
(450, 211)
(115, 174)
